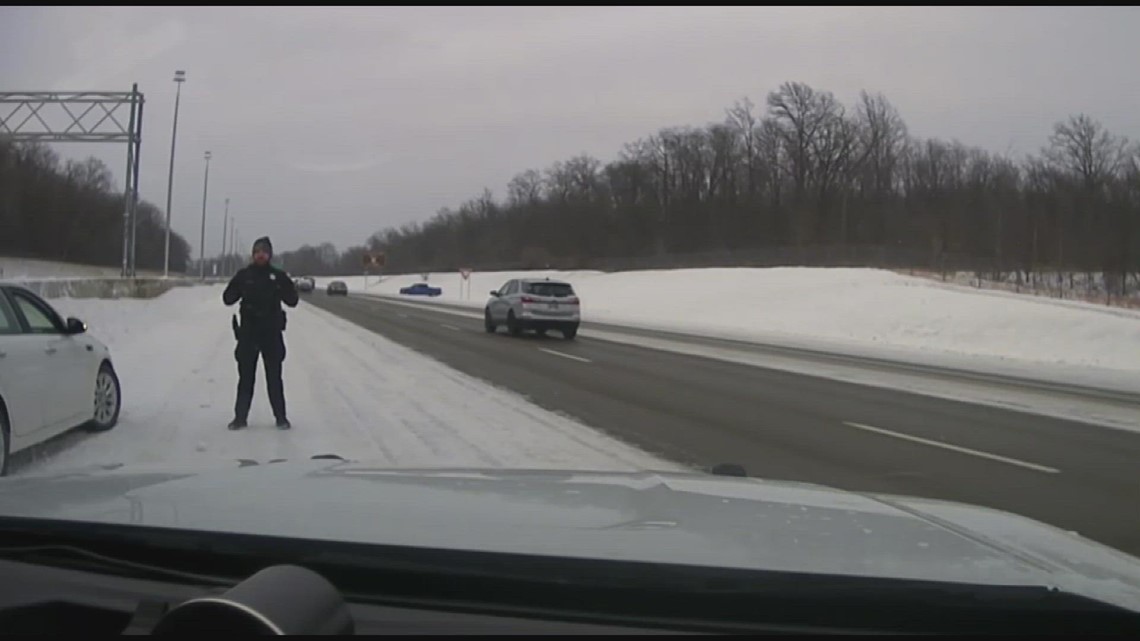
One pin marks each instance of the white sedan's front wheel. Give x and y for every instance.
(108, 399)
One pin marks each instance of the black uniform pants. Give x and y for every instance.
(271, 346)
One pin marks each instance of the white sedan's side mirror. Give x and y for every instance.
(76, 326)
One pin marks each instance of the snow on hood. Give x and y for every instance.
(680, 518)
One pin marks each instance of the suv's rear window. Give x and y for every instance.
(557, 290)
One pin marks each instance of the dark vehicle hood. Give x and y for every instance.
(678, 518)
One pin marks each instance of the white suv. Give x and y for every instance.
(534, 304)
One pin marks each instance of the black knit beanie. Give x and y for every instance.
(263, 243)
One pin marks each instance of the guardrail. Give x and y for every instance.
(105, 287)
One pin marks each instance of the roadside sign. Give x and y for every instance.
(373, 263)
(465, 277)
(373, 260)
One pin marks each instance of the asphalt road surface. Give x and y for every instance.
(780, 425)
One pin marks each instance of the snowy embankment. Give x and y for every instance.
(349, 392)
(20, 269)
(860, 311)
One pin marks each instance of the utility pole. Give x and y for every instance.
(127, 199)
(135, 181)
(233, 238)
(202, 237)
(225, 224)
(179, 78)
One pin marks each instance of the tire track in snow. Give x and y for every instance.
(480, 419)
(418, 421)
(519, 430)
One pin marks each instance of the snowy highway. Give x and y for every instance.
(785, 425)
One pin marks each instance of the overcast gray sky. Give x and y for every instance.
(331, 123)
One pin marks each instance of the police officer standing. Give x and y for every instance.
(261, 288)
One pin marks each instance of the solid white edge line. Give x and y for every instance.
(449, 326)
(955, 448)
(426, 307)
(570, 356)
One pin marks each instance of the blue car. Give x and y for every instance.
(421, 289)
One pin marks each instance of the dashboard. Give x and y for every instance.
(36, 599)
(64, 577)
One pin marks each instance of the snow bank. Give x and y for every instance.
(349, 392)
(18, 269)
(837, 308)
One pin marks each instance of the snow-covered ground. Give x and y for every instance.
(349, 392)
(866, 311)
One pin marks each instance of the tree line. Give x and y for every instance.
(321, 260)
(72, 212)
(803, 180)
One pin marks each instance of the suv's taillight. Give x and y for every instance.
(573, 300)
(526, 299)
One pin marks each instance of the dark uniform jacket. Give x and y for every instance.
(261, 290)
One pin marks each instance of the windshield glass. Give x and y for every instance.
(8, 322)
(733, 278)
(558, 290)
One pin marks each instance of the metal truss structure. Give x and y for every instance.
(83, 116)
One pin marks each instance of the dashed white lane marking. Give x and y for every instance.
(570, 356)
(955, 448)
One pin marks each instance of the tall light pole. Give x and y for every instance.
(225, 225)
(202, 237)
(233, 237)
(179, 78)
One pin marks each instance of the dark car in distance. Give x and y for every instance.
(337, 288)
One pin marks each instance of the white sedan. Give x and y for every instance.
(53, 376)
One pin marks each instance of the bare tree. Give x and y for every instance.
(742, 119)
(525, 188)
(1082, 147)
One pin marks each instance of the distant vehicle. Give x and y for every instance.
(53, 375)
(421, 289)
(337, 287)
(305, 284)
(534, 304)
